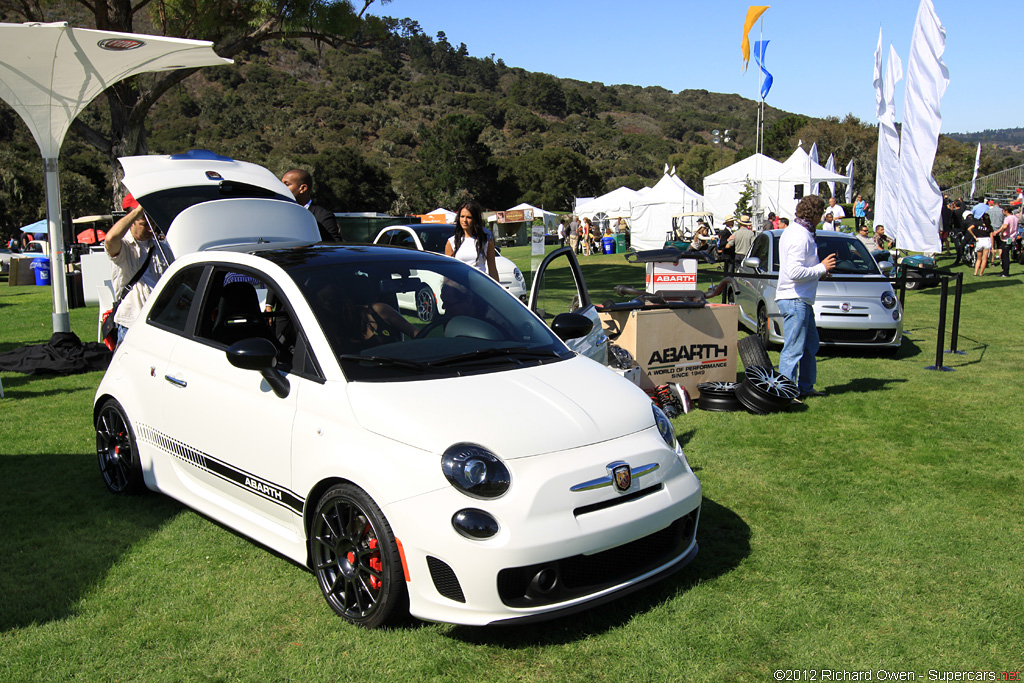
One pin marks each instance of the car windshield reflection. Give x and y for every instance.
(413, 320)
(852, 258)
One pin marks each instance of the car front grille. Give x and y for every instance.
(831, 336)
(573, 577)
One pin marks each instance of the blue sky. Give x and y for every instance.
(821, 53)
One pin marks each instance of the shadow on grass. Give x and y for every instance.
(724, 540)
(62, 533)
(19, 386)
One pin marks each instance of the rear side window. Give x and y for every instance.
(171, 310)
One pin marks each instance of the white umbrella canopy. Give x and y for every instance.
(49, 73)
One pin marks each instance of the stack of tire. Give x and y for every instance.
(764, 390)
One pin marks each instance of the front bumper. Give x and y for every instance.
(593, 544)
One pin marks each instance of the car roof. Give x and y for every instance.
(317, 255)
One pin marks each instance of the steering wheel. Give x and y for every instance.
(425, 331)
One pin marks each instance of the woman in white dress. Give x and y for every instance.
(472, 243)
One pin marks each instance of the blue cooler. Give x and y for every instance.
(41, 266)
(608, 244)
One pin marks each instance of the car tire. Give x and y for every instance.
(426, 304)
(117, 451)
(730, 296)
(763, 325)
(753, 353)
(913, 281)
(355, 557)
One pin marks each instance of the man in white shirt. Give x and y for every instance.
(799, 272)
(834, 209)
(128, 244)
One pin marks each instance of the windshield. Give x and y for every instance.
(434, 239)
(410, 320)
(852, 257)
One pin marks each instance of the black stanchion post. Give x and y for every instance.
(901, 285)
(954, 336)
(942, 329)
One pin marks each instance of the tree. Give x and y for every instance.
(743, 203)
(454, 164)
(551, 178)
(234, 26)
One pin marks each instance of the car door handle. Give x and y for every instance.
(176, 382)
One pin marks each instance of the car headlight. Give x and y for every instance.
(888, 299)
(518, 276)
(665, 428)
(475, 471)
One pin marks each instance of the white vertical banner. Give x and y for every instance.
(813, 154)
(919, 209)
(977, 165)
(887, 188)
(849, 182)
(830, 166)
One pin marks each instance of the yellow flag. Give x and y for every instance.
(754, 13)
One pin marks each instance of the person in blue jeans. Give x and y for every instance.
(799, 272)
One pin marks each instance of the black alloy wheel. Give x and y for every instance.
(356, 560)
(117, 451)
(766, 391)
(719, 397)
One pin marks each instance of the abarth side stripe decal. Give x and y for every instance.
(218, 468)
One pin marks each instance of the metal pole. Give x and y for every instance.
(942, 329)
(61, 319)
(955, 333)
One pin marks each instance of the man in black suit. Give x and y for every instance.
(301, 184)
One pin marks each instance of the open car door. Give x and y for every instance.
(558, 287)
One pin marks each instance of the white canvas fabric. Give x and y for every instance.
(977, 165)
(650, 216)
(813, 154)
(887, 189)
(917, 227)
(830, 166)
(722, 189)
(615, 203)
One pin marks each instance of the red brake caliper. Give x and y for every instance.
(375, 564)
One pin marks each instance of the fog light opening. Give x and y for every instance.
(544, 581)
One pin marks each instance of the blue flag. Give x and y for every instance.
(760, 47)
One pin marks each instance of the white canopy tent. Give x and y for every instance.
(448, 216)
(650, 215)
(722, 189)
(776, 184)
(49, 73)
(615, 203)
(798, 169)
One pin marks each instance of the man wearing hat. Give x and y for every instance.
(741, 240)
(129, 246)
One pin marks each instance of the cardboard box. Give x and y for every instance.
(686, 346)
(21, 272)
(669, 276)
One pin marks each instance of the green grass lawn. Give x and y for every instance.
(877, 528)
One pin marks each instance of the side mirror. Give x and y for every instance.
(571, 326)
(259, 354)
(886, 267)
(752, 262)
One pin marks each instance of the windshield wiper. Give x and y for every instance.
(385, 360)
(509, 352)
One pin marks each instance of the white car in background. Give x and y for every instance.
(432, 237)
(854, 307)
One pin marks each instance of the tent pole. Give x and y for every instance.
(58, 279)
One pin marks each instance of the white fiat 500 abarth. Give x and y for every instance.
(281, 393)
